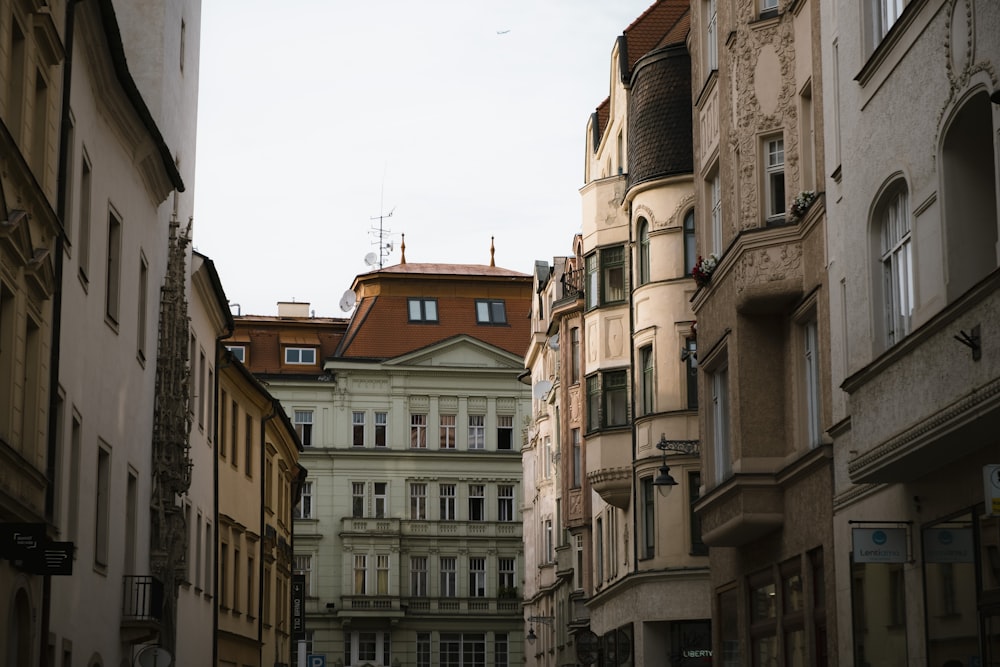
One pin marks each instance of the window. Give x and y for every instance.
(547, 536)
(248, 446)
(446, 493)
(304, 426)
(143, 306)
(360, 574)
(418, 501)
(593, 403)
(358, 429)
(224, 576)
(234, 425)
(507, 581)
(448, 582)
(16, 79)
(447, 431)
(303, 566)
(381, 500)
(491, 312)
(648, 518)
(357, 499)
(711, 36)
(238, 351)
(418, 576)
(250, 586)
(382, 574)
(300, 355)
(612, 275)
(477, 502)
(477, 431)
(102, 512)
(574, 354)
(418, 431)
(112, 292)
(477, 577)
(577, 471)
(422, 310)
(691, 371)
(201, 390)
(885, 14)
(304, 510)
(501, 649)
(715, 197)
(505, 502)
(698, 547)
(607, 399)
(810, 362)
(690, 249)
(381, 420)
(774, 176)
(648, 388)
(83, 230)
(131, 509)
(505, 432)
(423, 649)
(592, 290)
(896, 261)
(768, 7)
(643, 251)
(719, 424)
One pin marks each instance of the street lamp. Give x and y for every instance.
(664, 481)
(547, 620)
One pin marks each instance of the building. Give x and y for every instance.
(913, 152)
(408, 535)
(31, 58)
(763, 330)
(647, 591)
(259, 484)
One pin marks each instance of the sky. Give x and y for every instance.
(454, 120)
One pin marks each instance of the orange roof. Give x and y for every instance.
(647, 32)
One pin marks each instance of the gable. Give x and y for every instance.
(459, 352)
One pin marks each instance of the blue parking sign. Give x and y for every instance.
(316, 660)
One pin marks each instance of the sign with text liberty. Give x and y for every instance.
(879, 545)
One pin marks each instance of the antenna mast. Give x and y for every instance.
(381, 236)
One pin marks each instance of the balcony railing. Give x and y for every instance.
(142, 598)
(418, 528)
(420, 606)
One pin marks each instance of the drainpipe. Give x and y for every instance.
(52, 444)
(219, 366)
(635, 447)
(260, 557)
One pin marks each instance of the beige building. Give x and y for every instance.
(408, 535)
(763, 331)
(648, 589)
(31, 55)
(913, 153)
(259, 483)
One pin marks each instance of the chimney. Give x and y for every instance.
(293, 309)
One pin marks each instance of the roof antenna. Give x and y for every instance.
(380, 233)
(493, 251)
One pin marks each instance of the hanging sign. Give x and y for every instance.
(948, 545)
(991, 486)
(879, 545)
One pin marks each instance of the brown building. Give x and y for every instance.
(763, 328)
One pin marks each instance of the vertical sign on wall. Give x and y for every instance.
(991, 487)
(298, 606)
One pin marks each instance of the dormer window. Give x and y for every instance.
(491, 312)
(238, 351)
(300, 355)
(422, 310)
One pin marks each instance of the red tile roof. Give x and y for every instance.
(647, 32)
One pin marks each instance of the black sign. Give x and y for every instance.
(298, 606)
(20, 540)
(29, 549)
(588, 647)
(56, 559)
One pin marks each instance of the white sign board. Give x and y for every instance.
(879, 545)
(948, 545)
(991, 487)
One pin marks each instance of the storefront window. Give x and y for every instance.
(950, 591)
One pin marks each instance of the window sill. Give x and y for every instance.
(880, 54)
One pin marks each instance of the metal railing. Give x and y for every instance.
(142, 598)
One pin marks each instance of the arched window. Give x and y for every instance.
(643, 251)
(894, 280)
(970, 204)
(689, 248)
(19, 631)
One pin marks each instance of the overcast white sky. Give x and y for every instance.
(317, 115)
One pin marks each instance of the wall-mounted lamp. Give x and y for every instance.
(547, 620)
(664, 481)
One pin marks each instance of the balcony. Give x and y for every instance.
(142, 608)
(424, 606)
(609, 466)
(462, 529)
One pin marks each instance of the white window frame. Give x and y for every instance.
(505, 432)
(711, 36)
(304, 509)
(418, 501)
(813, 411)
(715, 201)
(477, 431)
(357, 420)
(418, 430)
(422, 310)
(477, 501)
(300, 356)
(477, 577)
(721, 448)
(449, 576)
(447, 431)
(505, 502)
(303, 566)
(418, 576)
(238, 351)
(446, 494)
(304, 426)
(380, 500)
(897, 266)
(774, 177)
(381, 429)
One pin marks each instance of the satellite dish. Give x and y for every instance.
(554, 342)
(348, 300)
(371, 259)
(540, 389)
(154, 656)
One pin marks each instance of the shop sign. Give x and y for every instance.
(879, 545)
(948, 545)
(991, 486)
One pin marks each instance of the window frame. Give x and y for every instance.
(381, 429)
(477, 432)
(427, 308)
(505, 433)
(477, 502)
(773, 167)
(647, 389)
(294, 356)
(491, 312)
(447, 508)
(714, 183)
(239, 352)
(358, 428)
(895, 262)
(642, 249)
(418, 430)
(418, 501)
(306, 431)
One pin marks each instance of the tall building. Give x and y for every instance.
(647, 589)
(31, 57)
(408, 535)
(913, 153)
(763, 330)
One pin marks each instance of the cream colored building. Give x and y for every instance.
(913, 154)
(648, 594)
